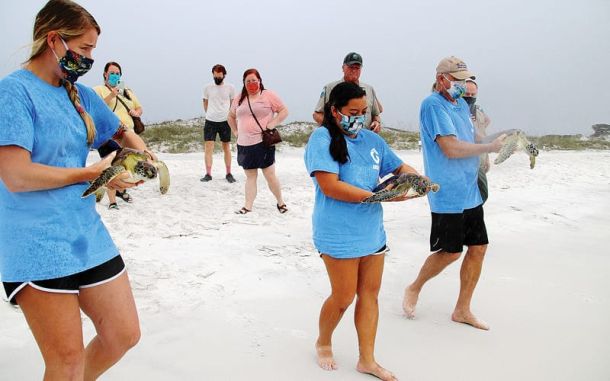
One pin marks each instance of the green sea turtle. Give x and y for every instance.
(139, 166)
(517, 141)
(408, 184)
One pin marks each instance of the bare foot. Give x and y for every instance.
(376, 370)
(470, 319)
(408, 303)
(325, 357)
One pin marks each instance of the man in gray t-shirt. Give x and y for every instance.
(352, 67)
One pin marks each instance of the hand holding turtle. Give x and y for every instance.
(118, 182)
(496, 144)
(98, 167)
(402, 187)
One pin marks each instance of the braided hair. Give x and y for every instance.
(69, 20)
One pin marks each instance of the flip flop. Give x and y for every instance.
(281, 208)
(243, 210)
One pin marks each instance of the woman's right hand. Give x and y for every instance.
(116, 183)
(98, 167)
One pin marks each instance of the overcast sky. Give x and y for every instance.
(542, 66)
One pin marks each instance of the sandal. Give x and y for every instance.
(113, 206)
(281, 208)
(124, 196)
(243, 210)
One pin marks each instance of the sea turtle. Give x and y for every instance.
(139, 167)
(517, 141)
(409, 184)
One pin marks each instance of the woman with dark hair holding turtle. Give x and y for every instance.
(125, 105)
(56, 256)
(346, 162)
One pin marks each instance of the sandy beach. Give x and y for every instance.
(223, 296)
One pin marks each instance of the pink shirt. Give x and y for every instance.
(264, 107)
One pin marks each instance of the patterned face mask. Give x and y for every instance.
(73, 64)
(457, 89)
(352, 124)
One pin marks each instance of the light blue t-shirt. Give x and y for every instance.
(50, 233)
(346, 229)
(457, 177)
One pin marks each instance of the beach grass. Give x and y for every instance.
(181, 136)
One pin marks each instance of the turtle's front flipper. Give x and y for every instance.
(104, 178)
(99, 194)
(382, 195)
(508, 148)
(163, 173)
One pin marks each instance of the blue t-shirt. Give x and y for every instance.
(346, 229)
(457, 177)
(50, 233)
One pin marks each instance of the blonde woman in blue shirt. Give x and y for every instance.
(346, 163)
(56, 256)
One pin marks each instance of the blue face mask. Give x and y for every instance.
(114, 79)
(351, 124)
(457, 89)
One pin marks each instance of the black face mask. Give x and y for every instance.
(470, 100)
(218, 81)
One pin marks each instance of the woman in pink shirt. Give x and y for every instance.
(255, 103)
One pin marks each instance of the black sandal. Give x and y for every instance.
(243, 210)
(124, 196)
(281, 208)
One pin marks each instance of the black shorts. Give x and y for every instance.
(210, 129)
(71, 284)
(450, 232)
(107, 148)
(256, 156)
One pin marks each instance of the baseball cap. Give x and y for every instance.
(454, 66)
(352, 59)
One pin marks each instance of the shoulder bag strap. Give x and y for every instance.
(250, 106)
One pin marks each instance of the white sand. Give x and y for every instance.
(230, 297)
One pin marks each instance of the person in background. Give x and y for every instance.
(56, 256)
(255, 108)
(124, 103)
(451, 159)
(346, 161)
(217, 98)
(481, 121)
(352, 68)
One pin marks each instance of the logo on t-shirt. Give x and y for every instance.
(375, 156)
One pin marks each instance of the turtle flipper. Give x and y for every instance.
(99, 194)
(383, 195)
(163, 173)
(104, 178)
(509, 147)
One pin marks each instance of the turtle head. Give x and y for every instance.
(532, 149)
(145, 170)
